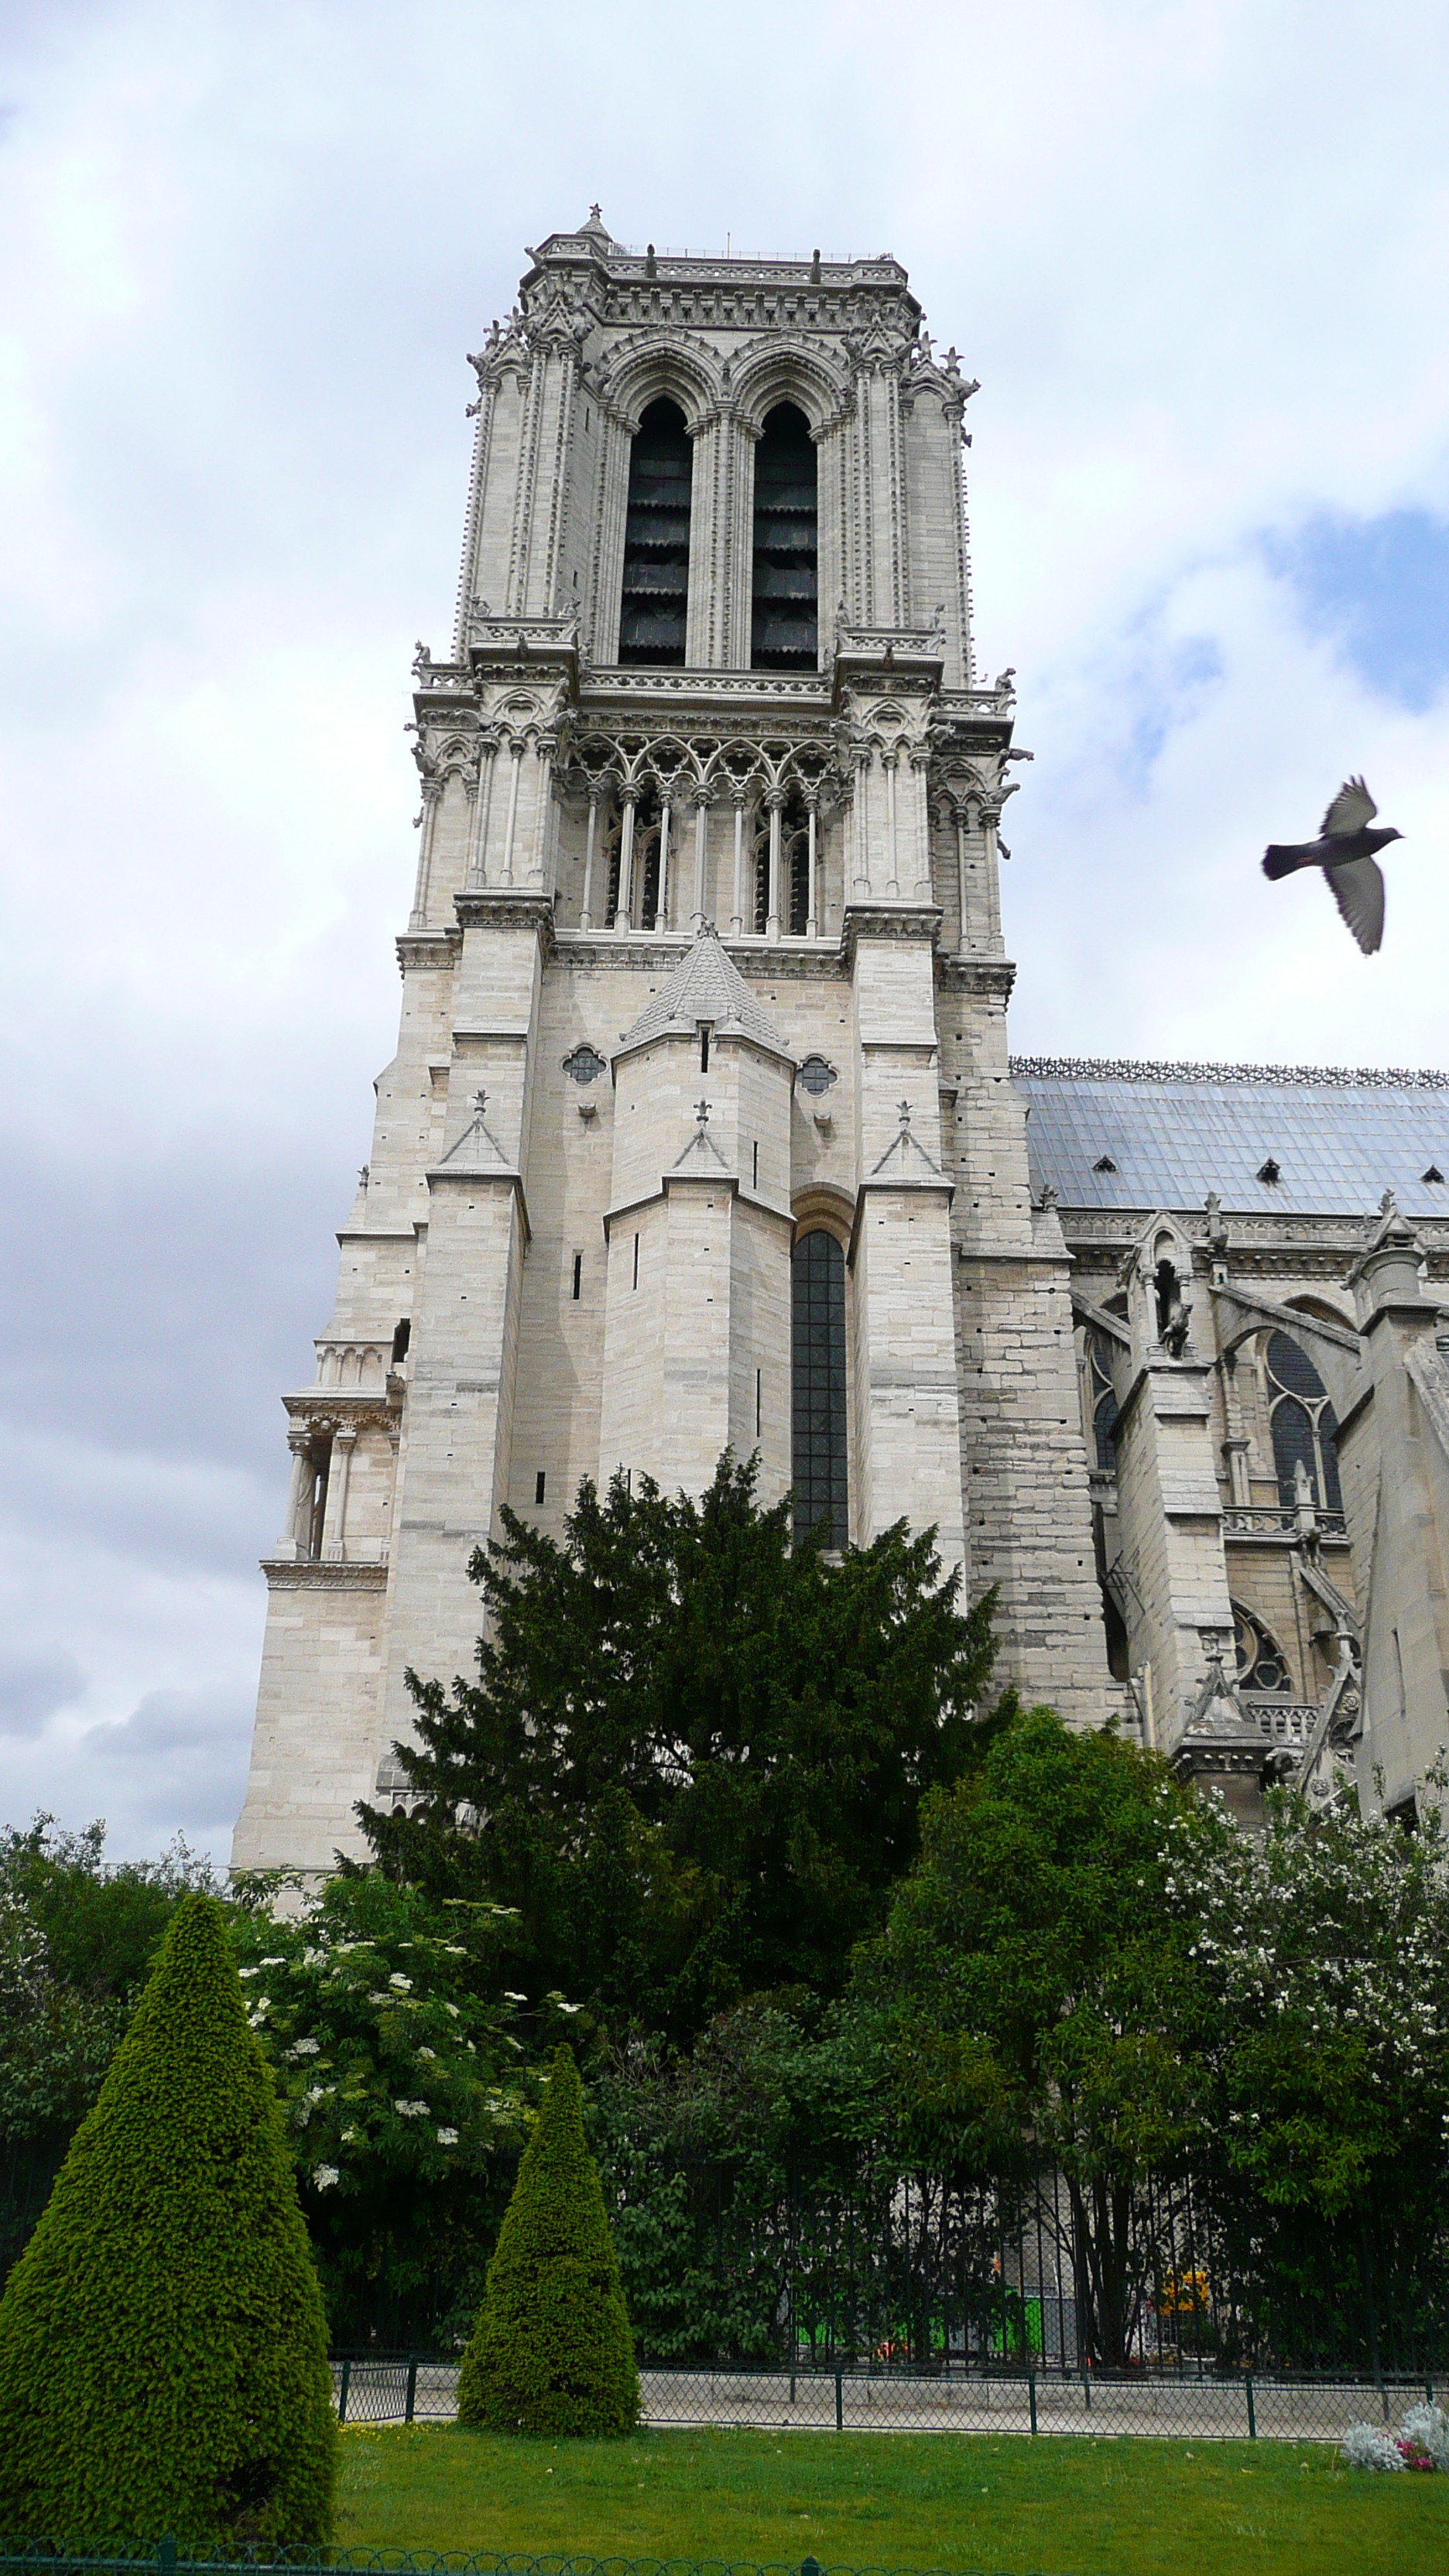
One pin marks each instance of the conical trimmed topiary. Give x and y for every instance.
(163, 2351)
(552, 2351)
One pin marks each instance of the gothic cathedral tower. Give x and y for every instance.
(700, 1131)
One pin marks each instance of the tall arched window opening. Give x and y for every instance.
(795, 864)
(1304, 1426)
(817, 1389)
(1103, 1395)
(656, 539)
(785, 629)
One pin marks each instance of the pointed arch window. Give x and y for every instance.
(785, 626)
(1103, 1397)
(818, 1468)
(1304, 1425)
(654, 613)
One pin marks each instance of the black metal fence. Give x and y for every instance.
(418, 2389)
(1041, 2275)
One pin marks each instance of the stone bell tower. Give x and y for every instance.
(699, 1132)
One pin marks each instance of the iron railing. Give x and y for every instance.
(415, 2389)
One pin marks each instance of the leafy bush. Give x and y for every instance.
(77, 1939)
(163, 2359)
(552, 2351)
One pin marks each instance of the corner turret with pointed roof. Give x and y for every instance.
(705, 988)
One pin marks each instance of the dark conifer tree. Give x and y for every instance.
(552, 2350)
(694, 1752)
(163, 2350)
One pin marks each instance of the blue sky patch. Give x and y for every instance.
(1381, 587)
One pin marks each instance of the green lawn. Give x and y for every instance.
(1064, 2507)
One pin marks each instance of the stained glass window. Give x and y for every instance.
(818, 1395)
(1304, 1425)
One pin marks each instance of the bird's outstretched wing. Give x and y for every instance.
(1352, 807)
(1358, 891)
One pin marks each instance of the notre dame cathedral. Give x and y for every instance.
(702, 1129)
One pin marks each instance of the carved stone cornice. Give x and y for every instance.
(994, 976)
(424, 949)
(871, 920)
(349, 1574)
(508, 908)
(799, 697)
(319, 1409)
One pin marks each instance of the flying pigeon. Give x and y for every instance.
(1345, 851)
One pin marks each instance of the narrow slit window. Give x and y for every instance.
(402, 1335)
(755, 1167)
(538, 1486)
(785, 630)
(578, 1275)
(656, 540)
(817, 1388)
(759, 1399)
(704, 1049)
(636, 1261)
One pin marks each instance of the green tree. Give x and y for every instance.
(163, 2357)
(552, 2351)
(722, 2168)
(77, 1939)
(402, 2087)
(694, 1755)
(1037, 1992)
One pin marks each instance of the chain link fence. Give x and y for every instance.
(408, 2390)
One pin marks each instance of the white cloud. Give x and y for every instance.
(1194, 249)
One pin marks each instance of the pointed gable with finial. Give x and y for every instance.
(706, 989)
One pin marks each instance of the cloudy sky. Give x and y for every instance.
(1195, 250)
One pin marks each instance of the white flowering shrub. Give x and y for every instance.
(1426, 2429)
(403, 2083)
(1368, 2446)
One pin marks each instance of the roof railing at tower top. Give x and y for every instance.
(758, 259)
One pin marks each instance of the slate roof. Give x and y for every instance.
(1174, 1132)
(706, 985)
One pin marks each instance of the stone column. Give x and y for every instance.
(334, 1526)
(629, 798)
(427, 824)
(701, 833)
(586, 916)
(289, 1547)
(482, 810)
(774, 801)
(516, 749)
(812, 924)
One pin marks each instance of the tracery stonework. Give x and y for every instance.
(653, 899)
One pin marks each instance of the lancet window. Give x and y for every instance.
(1103, 1398)
(653, 616)
(1305, 1430)
(818, 1468)
(785, 628)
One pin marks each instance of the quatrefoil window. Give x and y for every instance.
(816, 1075)
(583, 1065)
